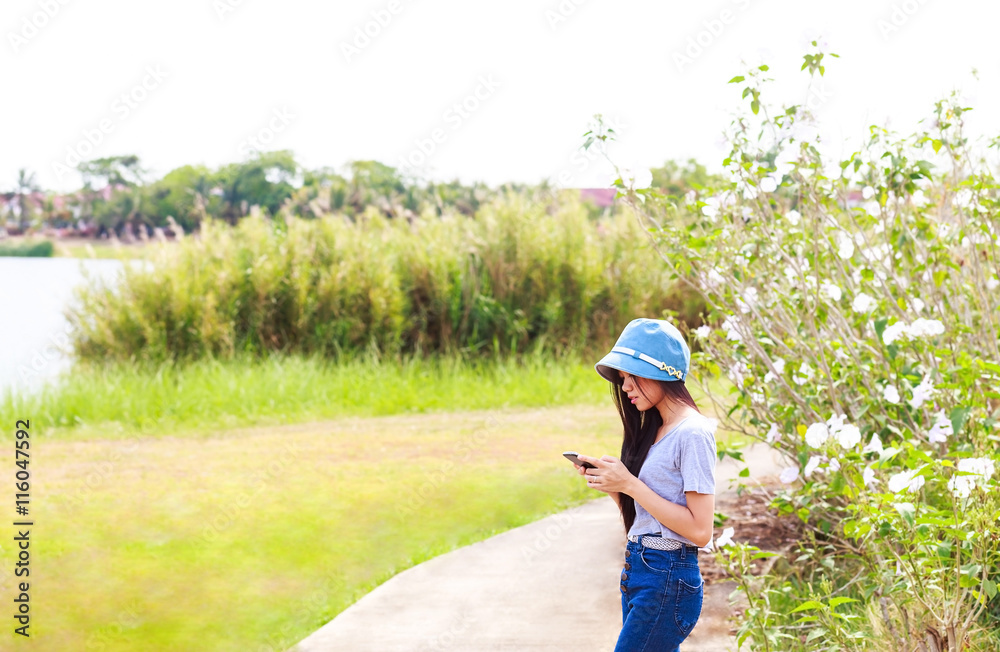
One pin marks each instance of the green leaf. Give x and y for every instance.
(991, 588)
(834, 602)
(880, 325)
(806, 606)
(936, 144)
(958, 417)
(745, 473)
(738, 78)
(754, 106)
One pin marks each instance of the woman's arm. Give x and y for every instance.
(616, 495)
(694, 521)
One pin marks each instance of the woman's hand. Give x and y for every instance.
(610, 476)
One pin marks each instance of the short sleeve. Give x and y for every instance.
(698, 457)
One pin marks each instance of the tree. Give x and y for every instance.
(26, 185)
(183, 193)
(264, 180)
(676, 179)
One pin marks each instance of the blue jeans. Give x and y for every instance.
(662, 592)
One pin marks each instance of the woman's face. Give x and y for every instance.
(643, 393)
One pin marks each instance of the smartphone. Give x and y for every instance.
(572, 457)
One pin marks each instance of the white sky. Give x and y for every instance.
(226, 76)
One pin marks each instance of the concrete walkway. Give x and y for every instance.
(550, 585)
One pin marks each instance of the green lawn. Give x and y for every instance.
(262, 535)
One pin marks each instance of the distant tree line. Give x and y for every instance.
(117, 193)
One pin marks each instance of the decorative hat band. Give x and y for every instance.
(676, 373)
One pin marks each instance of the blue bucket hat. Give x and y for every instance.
(650, 348)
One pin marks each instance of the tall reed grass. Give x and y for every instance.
(517, 276)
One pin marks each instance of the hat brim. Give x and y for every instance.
(613, 362)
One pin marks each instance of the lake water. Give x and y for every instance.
(34, 293)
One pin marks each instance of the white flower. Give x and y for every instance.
(992, 283)
(835, 423)
(768, 184)
(737, 372)
(863, 303)
(789, 474)
(893, 332)
(906, 480)
(941, 429)
(891, 394)
(804, 375)
(726, 538)
(748, 301)
(925, 328)
(868, 476)
(922, 392)
(779, 366)
(816, 434)
(702, 331)
(772, 434)
(982, 468)
(874, 445)
(793, 217)
(867, 192)
(831, 290)
(748, 191)
(845, 246)
(918, 305)
(714, 278)
(812, 465)
(835, 464)
(849, 436)
(636, 179)
(729, 325)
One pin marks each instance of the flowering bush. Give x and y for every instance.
(854, 308)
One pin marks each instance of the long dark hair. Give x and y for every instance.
(640, 431)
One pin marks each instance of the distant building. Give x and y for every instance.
(602, 197)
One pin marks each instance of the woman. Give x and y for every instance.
(664, 484)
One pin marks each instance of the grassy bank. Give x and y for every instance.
(102, 249)
(121, 399)
(26, 248)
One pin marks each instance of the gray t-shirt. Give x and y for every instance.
(683, 460)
